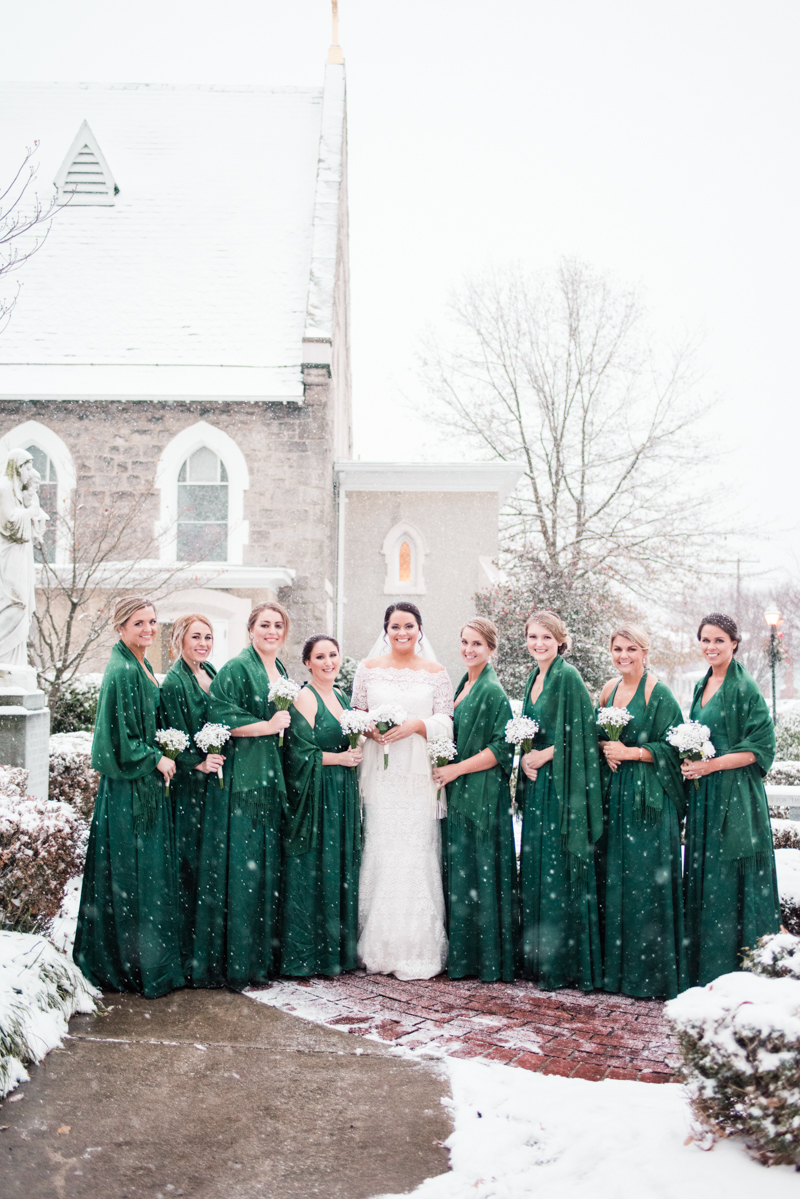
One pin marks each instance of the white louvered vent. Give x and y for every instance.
(85, 177)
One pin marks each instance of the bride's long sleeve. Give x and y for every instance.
(440, 724)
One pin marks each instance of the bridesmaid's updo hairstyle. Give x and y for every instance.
(125, 608)
(312, 641)
(402, 606)
(486, 629)
(726, 623)
(555, 625)
(181, 628)
(633, 633)
(268, 606)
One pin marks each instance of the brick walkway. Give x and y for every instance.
(570, 1033)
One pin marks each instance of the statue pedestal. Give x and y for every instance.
(25, 726)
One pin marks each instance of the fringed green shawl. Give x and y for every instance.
(240, 696)
(648, 729)
(565, 707)
(746, 835)
(480, 723)
(124, 742)
(185, 705)
(302, 767)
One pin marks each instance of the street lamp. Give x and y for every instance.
(773, 619)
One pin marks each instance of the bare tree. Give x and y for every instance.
(559, 373)
(25, 222)
(107, 552)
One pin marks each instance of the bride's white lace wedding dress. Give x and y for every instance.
(401, 902)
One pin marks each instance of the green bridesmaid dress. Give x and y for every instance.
(186, 706)
(237, 933)
(730, 885)
(127, 936)
(322, 846)
(480, 859)
(562, 819)
(639, 856)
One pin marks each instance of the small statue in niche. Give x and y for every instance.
(22, 525)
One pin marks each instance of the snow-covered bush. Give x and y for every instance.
(42, 846)
(347, 672)
(740, 1041)
(40, 989)
(787, 862)
(786, 834)
(784, 774)
(787, 737)
(74, 707)
(777, 956)
(72, 779)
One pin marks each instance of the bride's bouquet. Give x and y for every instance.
(612, 721)
(691, 740)
(283, 694)
(354, 724)
(210, 740)
(387, 716)
(171, 742)
(520, 732)
(441, 750)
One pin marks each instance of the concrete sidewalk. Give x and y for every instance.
(209, 1095)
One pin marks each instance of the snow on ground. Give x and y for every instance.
(62, 929)
(40, 989)
(518, 1134)
(787, 862)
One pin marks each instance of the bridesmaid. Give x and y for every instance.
(185, 705)
(322, 834)
(481, 874)
(237, 940)
(730, 885)
(127, 935)
(562, 819)
(639, 857)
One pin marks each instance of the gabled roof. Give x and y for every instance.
(196, 281)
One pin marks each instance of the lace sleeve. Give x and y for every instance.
(359, 697)
(442, 694)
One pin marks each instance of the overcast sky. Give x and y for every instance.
(654, 138)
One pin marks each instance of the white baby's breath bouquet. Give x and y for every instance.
(441, 750)
(387, 716)
(691, 739)
(520, 732)
(612, 721)
(354, 724)
(210, 740)
(283, 694)
(171, 742)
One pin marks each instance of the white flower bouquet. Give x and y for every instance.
(612, 721)
(210, 740)
(283, 694)
(520, 732)
(171, 742)
(691, 740)
(441, 750)
(387, 716)
(354, 724)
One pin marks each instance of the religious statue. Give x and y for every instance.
(22, 525)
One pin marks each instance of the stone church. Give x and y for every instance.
(183, 336)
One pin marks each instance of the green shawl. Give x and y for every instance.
(480, 722)
(565, 706)
(302, 767)
(746, 833)
(240, 696)
(124, 742)
(186, 706)
(649, 729)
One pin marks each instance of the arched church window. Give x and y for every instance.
(202, 508)
(404, 549)
(48, 498)
(404, 564)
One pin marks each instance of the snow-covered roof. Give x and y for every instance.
(201, 276)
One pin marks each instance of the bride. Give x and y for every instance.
(401, 902)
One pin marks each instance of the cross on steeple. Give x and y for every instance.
(335, 52)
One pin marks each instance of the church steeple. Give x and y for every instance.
(335, 52)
